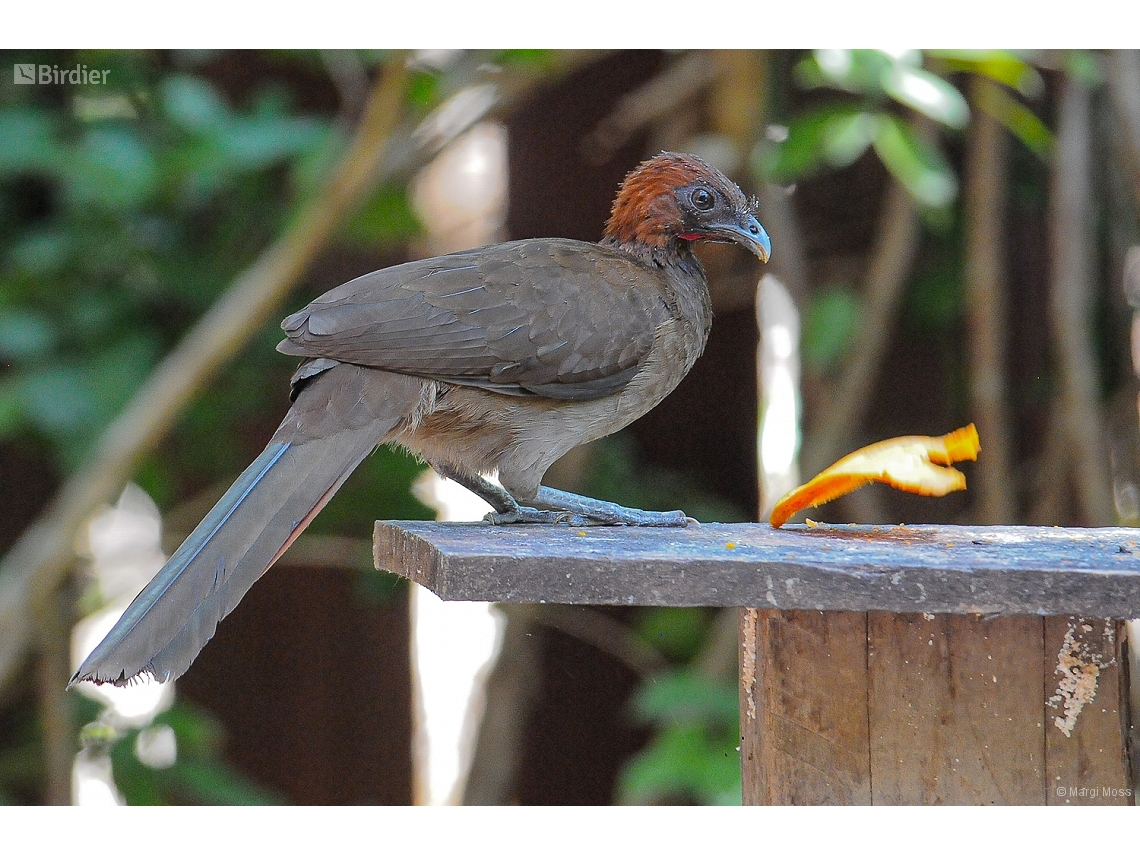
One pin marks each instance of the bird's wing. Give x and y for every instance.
(560, 318)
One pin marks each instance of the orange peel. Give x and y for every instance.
(917, 464)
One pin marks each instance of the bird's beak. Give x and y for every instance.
(748, 233)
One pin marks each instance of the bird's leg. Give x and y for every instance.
(558, 506)
(606, 513)
(506, 509)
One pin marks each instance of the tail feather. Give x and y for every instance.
(270, 504)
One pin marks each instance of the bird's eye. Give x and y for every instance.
(702, 199)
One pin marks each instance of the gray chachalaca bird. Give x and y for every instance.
(494, 359)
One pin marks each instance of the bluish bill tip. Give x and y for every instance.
(756, 238)
(748, 233)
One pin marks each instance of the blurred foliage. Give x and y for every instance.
(616, 474)
(173, 760)
(679, 634)
(829, 324)
(693, 756)
(126, 210)
(124, 213)
(935, 300)
(875, 83)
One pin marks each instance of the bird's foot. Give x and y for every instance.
(618, 515)
(558, 507)
(598, 512)
(523, 514)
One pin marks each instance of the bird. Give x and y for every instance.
(491, 360)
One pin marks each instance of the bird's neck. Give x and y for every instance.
(667, 253)
(685, 286)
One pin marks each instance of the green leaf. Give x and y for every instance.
(25, 334)
(1085, 66)
(42, 251)
(1020, 120)
(211, 783)
(536, 59)
(193, 104)
(197, 776)
(917, 164)
(927, 93)
(112, 169)
(684, 762)
(255, 142)
(1001, 66)
(27, 141)
(845, 138)
(830, 322)
(11, 408)
(811, 141)
(678, 633)
(857, 71)
(57, 398)
(386, 218)
(71, 401)
(686, 696)
(422, 89)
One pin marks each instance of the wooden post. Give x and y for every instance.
(878, 665)
(889, 708)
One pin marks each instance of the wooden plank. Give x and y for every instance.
(1086, 722)
(989, 570)
(879, 708)
(956, 710)
(868, 674)
(803, 716)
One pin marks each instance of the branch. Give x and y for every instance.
(1071, 301)
(660, 96)
(597, 629)
(52, 673)
(987, 298)
(1124, 88)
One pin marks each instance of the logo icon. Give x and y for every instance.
(24, 72)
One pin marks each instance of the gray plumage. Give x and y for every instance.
(498, 359)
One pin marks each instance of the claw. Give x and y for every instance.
(526, 515)
(614, 517)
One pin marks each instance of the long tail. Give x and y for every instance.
(337, 420)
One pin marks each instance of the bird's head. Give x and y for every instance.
(674, 198)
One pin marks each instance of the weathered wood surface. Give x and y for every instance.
(1086, 745)
(804, 735)
(879, 708)
(987, 570)
(957, 710)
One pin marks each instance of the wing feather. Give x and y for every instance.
(559, 318)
